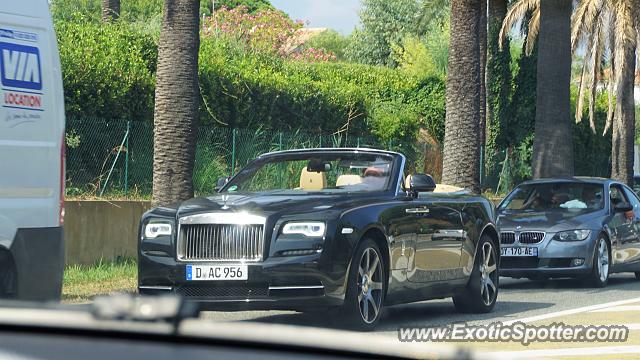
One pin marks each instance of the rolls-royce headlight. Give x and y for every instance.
(572, 235)
(154, 229)
(310, 229)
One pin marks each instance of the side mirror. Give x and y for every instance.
(421, 183)
(221, 182)
(622, 207)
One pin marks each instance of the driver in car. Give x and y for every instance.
(374, 178)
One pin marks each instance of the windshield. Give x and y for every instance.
(563, 197)
(316, 172)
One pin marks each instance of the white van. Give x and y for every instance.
(32, 126)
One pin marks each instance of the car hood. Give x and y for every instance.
(548, 221)
(272, 203)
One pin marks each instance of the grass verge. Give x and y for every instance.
(83, 282)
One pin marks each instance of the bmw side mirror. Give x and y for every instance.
(622, 207)
(221, 182)
(421, 183)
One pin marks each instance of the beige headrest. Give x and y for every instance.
(348, 179)
(312, 180)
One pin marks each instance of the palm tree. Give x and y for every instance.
(610, 29)
(176, 102)
(551, 22)
(461, 145)
(110, 10)
(552, 143)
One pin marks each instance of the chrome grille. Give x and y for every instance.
(507, 238)
(530, 237)
(222, 242)
(221, 237)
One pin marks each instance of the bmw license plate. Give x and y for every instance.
(217, 272)
(519, 251)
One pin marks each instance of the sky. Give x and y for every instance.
(340, 15)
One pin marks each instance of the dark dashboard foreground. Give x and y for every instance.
(72, 332)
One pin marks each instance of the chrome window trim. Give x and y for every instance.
(399, 189)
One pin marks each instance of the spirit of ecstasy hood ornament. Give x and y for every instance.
(225, 198)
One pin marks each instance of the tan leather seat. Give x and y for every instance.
(440, 188)
(407, 182)
(348, 179)
(312, 180)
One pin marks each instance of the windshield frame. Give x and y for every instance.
(393, 187)
(605, 188)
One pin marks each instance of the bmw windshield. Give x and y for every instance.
(565, 197)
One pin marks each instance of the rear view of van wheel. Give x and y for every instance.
(7, 276)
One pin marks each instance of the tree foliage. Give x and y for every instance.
(383, 23)
(331, 41)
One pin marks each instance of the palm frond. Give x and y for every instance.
(534, 29)
(625, 33)
(516, 13)
(583, 19)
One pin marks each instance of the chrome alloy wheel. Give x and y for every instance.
(370, 285)
(489, 274)
(603, 260)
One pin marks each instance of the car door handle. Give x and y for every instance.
(421, 210)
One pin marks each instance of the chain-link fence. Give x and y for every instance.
(114, 158)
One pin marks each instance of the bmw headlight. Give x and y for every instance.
(572, 235)
(154, 229)
(310, 229)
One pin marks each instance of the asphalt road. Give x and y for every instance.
(518, 299)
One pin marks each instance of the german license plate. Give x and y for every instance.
(519, 251)
(217, 272)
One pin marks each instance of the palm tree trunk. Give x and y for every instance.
(176, 102)
(553, 145)
(110, 10)
(461, 145)
(624, 123)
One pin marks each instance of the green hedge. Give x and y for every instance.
(109, 71)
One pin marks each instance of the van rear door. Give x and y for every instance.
(31, 147)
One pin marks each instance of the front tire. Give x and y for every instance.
(601, 259)
(481, 292)
(366, 288)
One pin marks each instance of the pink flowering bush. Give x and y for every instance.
(267, 31)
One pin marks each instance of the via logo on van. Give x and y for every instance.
(20, 66)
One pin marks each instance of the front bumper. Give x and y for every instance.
(282, 283)
(554, 259)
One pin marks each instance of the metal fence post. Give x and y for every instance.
(233, 151)
(126, 161)
(358, 141)
(280, 141)
(481, 166)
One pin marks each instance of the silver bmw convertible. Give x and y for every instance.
(579, 227)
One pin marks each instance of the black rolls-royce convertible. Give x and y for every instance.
(339, 229)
